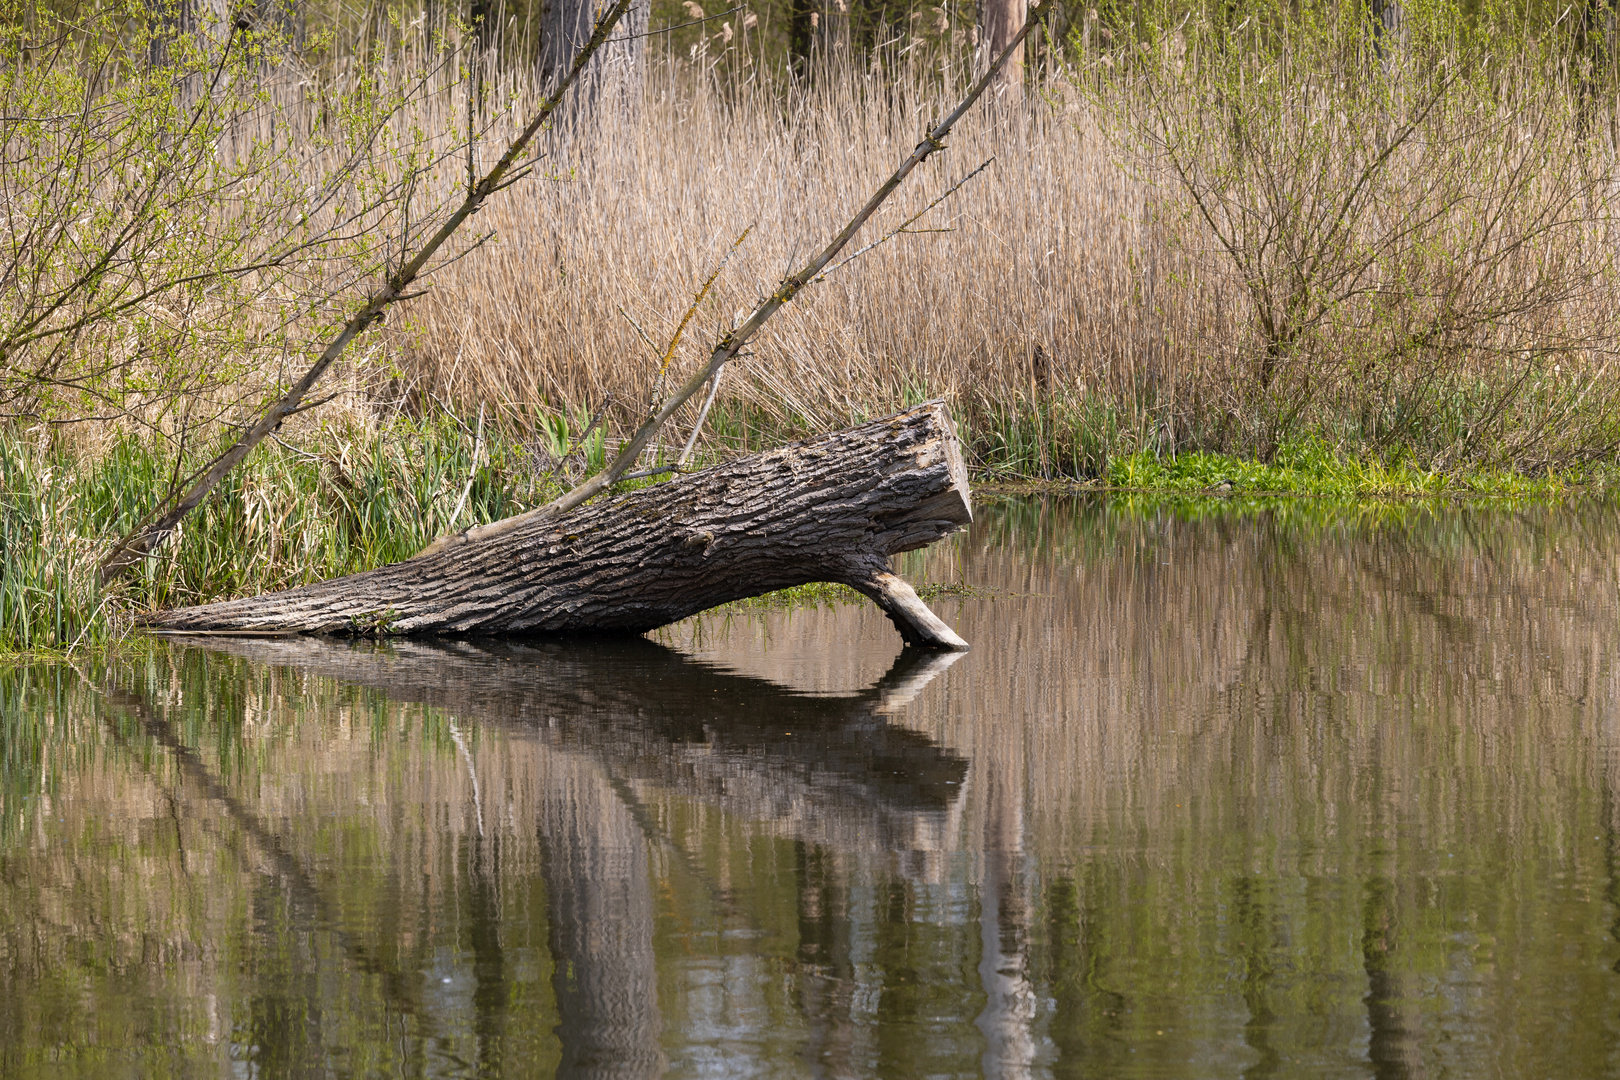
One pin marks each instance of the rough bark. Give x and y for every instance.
(831, 509)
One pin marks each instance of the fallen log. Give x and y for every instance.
(829, 509)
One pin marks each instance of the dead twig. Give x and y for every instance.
(478, 452)
(703, 414)
(691, 310)
(905, 226)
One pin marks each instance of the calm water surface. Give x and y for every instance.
(1219, 792)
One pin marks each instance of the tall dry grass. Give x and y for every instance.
(1047, 273)
(1074, 301)
(1125, 275)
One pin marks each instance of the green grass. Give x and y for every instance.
(826, 594)
(319, 505)
(1317, 470)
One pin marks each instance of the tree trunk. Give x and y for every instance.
(998, 24)
(1593, 66)
(832, 509)
(1389, 32)
(205, 23)
(615, 75)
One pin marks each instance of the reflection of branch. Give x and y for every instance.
(912, 670)
(659, 837)
(301, 888)
(460, 740)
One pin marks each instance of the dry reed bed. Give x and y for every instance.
(1469, 310)
(1050, 275)
(1072, 271)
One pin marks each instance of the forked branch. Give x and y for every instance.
(150, 533)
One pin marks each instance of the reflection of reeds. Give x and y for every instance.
(1306, 717)
(142, 873)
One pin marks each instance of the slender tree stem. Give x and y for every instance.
(148, 535)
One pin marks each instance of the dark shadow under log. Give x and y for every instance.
(830, 509)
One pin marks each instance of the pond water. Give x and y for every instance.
(1221, 790)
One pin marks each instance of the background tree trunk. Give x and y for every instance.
(998, 23)
(1389, 31)
(615, 75)
(806, 22)
(1593, 62)
(204, 22)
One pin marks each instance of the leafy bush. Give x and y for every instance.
(1414, 231)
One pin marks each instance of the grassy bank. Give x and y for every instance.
(1313, 469)
(326, 501)
(332, 500)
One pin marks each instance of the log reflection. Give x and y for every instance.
(828, 769)
(609, 717)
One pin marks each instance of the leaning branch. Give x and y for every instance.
(732, 343)
(147, 536)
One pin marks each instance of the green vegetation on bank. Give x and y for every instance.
(332, 501)
(301, 509)
(1314, 469)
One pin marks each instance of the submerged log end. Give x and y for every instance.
(915, 620)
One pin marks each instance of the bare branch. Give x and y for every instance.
(905, 226)
(143, 540)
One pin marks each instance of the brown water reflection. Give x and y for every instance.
(1303, 792)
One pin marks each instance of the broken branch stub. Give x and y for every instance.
(830, 509)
